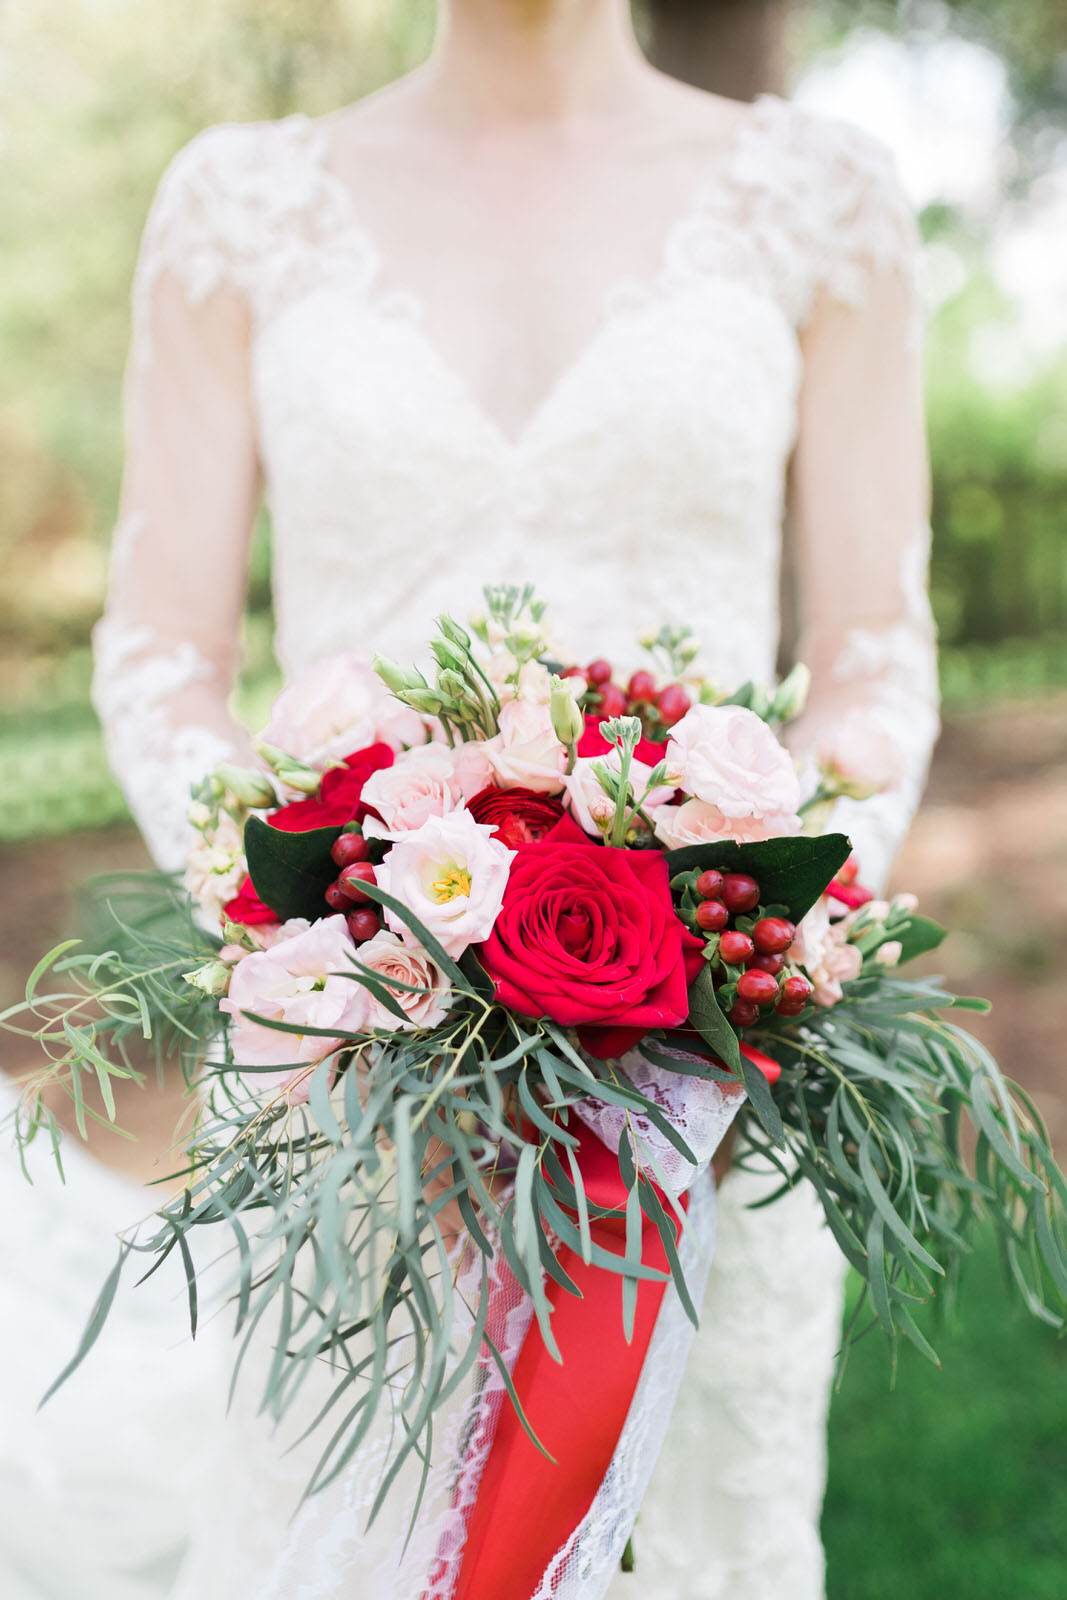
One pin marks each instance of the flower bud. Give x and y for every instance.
(397, 678)
(454, 633)
(446, 655)
(904, 903)
(568, 724)
(200, 816)
(212, 977)
(303, 779)
(792, 693)
(888, 954)
(251, 788)
(622, 732)
(423, 701)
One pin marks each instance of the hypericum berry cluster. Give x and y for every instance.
(748, 948)
(659, 709)
(346, 893)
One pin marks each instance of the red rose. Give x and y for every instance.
(518, 816)
(593, 743)
(247, 907)
(338, 799)
(588, 936)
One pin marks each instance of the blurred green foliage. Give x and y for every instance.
(956, 1485)
(98, 94)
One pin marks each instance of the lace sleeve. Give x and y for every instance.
(167, 647)
(859, 516)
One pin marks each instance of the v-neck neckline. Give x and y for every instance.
(514, 442)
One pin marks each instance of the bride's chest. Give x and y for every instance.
(683, 395)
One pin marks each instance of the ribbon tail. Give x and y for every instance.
(528, 1506)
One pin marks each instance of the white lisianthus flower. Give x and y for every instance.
(526, 754)
(305, 980)
(392, 959)
(451, 873)
(216, 866)
(729, 758)
(337, 706)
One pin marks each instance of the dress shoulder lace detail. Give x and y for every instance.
(802, 203)
(252, 206)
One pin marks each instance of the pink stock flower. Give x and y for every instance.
(822, 949)
(730, 759)
(304, 981)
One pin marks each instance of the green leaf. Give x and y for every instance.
(290, 872)
(791, 872)
(919, 935)
(708, 1018)
(97, 1318)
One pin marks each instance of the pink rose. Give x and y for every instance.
(452, 873)
(729, 758)
(526, 754)
(393, 960)
(304, 981)
(421, 783)
(697, 822)
(338, 705)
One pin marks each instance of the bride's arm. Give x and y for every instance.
(167, 647)
(859, 520)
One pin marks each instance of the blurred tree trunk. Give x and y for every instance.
(733, 47)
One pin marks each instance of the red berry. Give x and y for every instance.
(336, 898)
(709, 885)
(363, 924)
(735, 947)
(354, 877)
(772, 935)
(642, 686)
(573, 672)
(762, 963)
(673, 703)
(598, 671)
(796, 991)
(740, 892)
(759, 987)
(743, 1014)
(790, 1008)
(712, 916)
(612, 701)
(348, 848)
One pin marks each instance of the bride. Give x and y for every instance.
(538, 312)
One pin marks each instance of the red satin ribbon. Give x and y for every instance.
(527, 1506)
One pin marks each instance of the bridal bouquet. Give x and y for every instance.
(454, 956)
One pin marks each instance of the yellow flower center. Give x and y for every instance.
(454, 880)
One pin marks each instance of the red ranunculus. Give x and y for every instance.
(518, 816)
(338, 799)
(247, 907)
(588, 936)
(593, 743)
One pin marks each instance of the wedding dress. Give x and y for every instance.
(762, 372)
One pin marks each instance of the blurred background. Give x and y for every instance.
(96, 95)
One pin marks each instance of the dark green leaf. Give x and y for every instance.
(290, 872)
(791, 872)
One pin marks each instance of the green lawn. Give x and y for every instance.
(954, 1486)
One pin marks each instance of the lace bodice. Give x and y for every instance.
(649, 483)
(762, 373)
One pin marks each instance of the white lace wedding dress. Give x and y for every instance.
(762, 371)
